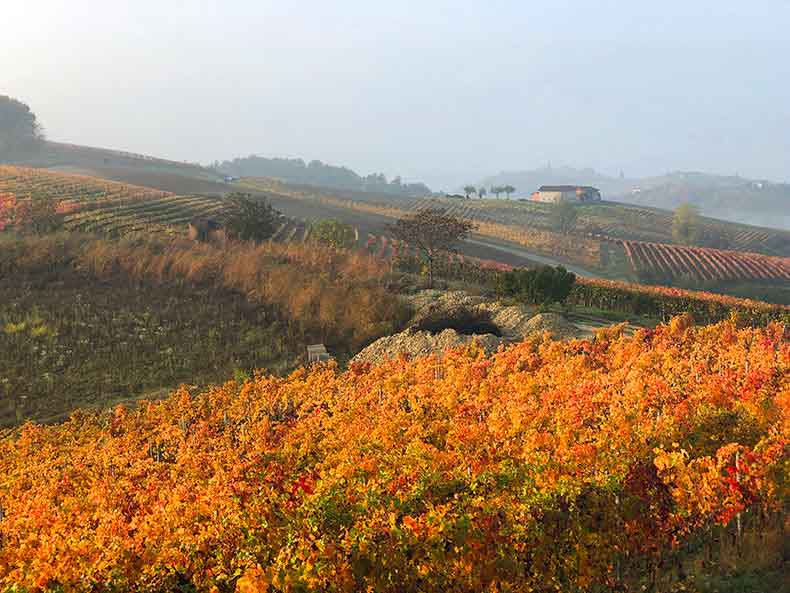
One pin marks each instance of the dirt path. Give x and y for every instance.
(518, 251)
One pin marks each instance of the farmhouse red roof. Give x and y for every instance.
(566, 188)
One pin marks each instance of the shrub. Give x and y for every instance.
(250, 219)
(334, 233)
(544, 284)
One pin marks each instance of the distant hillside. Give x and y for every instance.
(737, 199)
(318, 173)
(731, 198)
(527, 182)
(106, 162)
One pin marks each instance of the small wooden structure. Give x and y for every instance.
(207, 230)
(317, 353)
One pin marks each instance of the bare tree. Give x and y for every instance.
(686, 224)
(564, 215)
(433, 232)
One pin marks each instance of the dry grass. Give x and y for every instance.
(338, 296)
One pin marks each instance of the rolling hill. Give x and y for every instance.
(610, 240)
(732, 198)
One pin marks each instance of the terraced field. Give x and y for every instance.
(118, 209)
(617, 221)
(526, 222)
(705, 264)
(603, 220)
(40, 184)
(108, 207)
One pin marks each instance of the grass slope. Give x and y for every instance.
(87, 321)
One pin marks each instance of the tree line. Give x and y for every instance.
(482, 192)
(318, 173)
(20, 131)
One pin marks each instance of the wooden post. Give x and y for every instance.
(738, 518)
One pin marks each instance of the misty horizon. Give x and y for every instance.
(444, 93)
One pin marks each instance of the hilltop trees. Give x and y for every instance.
(685, 224)
(20, 131)
(502, 189)
(433, 232)
(249, 218)
(318, 173)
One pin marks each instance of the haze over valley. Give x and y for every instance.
(403, 90)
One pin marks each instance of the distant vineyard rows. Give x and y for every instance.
(101, 206)
(108, 207)
(704, 263)
(619, 221)
(607, 219)
(581, 250)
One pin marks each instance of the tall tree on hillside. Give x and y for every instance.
(508, 189)
(564, 215)
(433, 232)
(482, 192)
(249, 218)
(469, 190)
(20, 131)
(685, 224)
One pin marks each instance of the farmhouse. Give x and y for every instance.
(567, 193)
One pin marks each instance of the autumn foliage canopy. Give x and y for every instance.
(551, 465)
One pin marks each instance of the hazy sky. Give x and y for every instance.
(440, 91)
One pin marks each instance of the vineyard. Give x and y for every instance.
(701, 263)
(96, 206)
(607, 219)
(85, 321)
(634, 300)
(40, 184)
(89, 204)
(613, 464)
(576, 249)
(89, 344)
(617, 221)
(509, 221)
